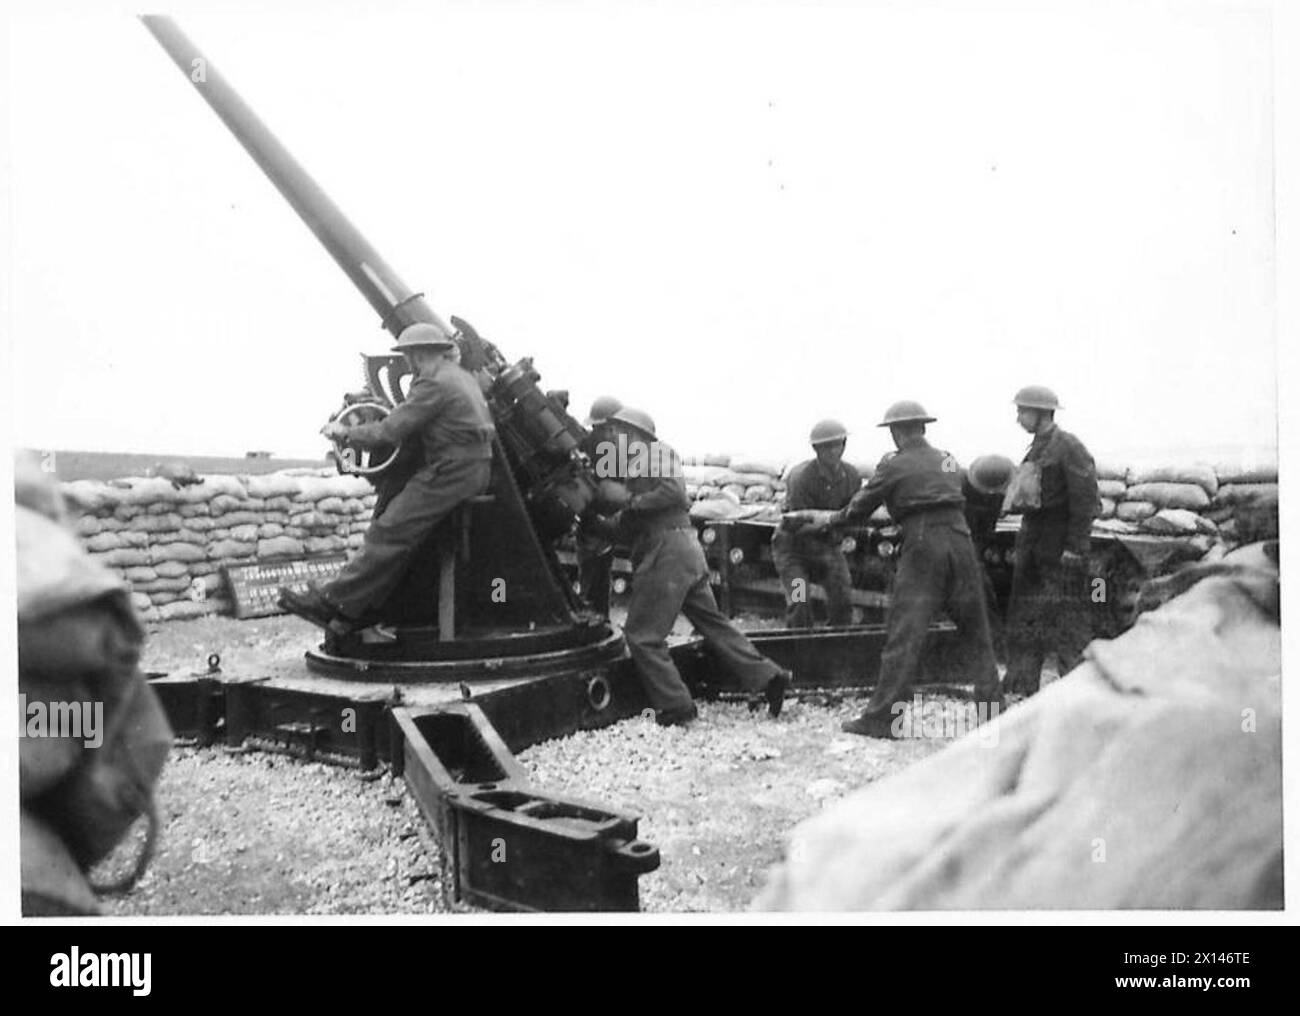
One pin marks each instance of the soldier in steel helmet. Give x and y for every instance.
(595, 552)
(984, 485)
(445, 412)
(647, 508)
(823, 482)
(937, 570)
(1055, 490)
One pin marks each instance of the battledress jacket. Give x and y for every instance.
(1069, 499)
(446, 408)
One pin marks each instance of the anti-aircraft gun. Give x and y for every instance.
(486, 593)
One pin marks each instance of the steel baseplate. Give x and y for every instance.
(508, 845)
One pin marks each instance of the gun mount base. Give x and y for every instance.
(416, 655)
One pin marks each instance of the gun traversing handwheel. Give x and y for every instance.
(353, 459)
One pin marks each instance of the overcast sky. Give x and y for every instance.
(739, 218)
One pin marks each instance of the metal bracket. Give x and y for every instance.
(509, 845)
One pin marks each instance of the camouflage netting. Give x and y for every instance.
(1148, 777)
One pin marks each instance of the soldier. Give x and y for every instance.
(672, 578)
(937, 570)
(446, 412)
(594, 552)
(984, 485)
(825, 482)
(1056, 490)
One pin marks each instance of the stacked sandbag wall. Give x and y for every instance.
(1178, 500)
(1159, 499)
(171, 542)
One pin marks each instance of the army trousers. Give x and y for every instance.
(672, 578)
(430, 495)
(937, 571)
(1048, 613)
(595, 562)
(802, 561)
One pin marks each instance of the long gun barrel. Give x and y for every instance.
(391, 298)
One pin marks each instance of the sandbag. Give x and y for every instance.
(272, 485)
(1134, 511)
(732, 476)
(1108, 469)
(1143, 758)
(702, 474)
(170, 570)
(317, 488)
(758, 492)
(223, 503)
(156, 523)
(715, 460)
(186, 535)
(1245, 493)
(88, 525)
(91, 495)
(224, 549)
(734, 490)
(1172, 522)
(238, 518)
(218, 483)
(150, 490)
(1260, 467)
(280, 545)
(176, 552)
(716, 508)
(324, 544)
(1107, 508)
(103, 542)
(1113, 489)
(1198, 473)
(1170, 495)
(766, 468)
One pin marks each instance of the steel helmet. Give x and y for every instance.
(1037, 397)
(637, 418)
(990, 474)
(602, 409)
(906, 411)
(825, 431)
(422, 334)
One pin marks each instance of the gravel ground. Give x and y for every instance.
(261, 833)
(719, 796)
